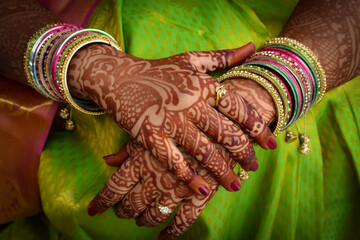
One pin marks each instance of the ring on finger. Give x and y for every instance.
(242, 174)
(163, 209)
(220, 92)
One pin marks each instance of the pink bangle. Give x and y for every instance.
(301, 63)
(288, 73)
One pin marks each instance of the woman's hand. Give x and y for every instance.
(169, 102)
(256, 95)
(141, 183)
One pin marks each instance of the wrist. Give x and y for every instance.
(83, 79)
(256, 95)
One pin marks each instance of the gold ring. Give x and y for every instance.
(163, 209)
(242, 174)
(220, 92)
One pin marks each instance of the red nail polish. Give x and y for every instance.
(92, 211)
(108, 157)
(203, 190)
(254, 166)
(235, 185)
(271, 143)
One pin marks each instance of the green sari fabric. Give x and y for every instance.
(291, 196)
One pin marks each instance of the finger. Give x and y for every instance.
(156, 213)
(239, 110)
(168, 154)
(117, 159)
(137, 199)
(115, 188)
(225, 132)
(208, 61)
(145, 191)
(205, 151)
(186, 215)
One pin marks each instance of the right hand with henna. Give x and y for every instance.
(170, 102)
(142, 185)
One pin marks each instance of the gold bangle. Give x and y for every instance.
(29, 47)
(65, 59)
(309, 54)
(268, 86)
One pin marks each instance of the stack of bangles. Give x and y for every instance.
(290, 72)
(47, 58)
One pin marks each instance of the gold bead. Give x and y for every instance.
(64, 113)
(69, 125)
(304, 138)
(304, 148)
(290, 137)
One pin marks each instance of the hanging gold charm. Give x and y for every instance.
(64, 113)
(290, 137)
(304, 146)
(69, 125)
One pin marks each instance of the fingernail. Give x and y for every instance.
(235, 185)
(271, 143)
(108, 157)
(203, 190)
(254, 166)
(92, 211)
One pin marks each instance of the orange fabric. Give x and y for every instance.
(25, 121)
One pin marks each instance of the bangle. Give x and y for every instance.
(28, 53)
(292, 84)
(47, 58)
(307, 55)
(296, 71)
(43, 76)
(268, 86)
(298, 62)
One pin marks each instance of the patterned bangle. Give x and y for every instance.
(48, 55)
(296, 71)
(32, 54)
(300, 63)
(307, 55)
(47, 61)
(87, 107)
(28, 53)
(268, 86)
(296, 92)
(42, 75)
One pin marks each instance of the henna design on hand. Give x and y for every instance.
(138, 199)
(161, 103)
(331, 29)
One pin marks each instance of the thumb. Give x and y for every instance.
(209, 61)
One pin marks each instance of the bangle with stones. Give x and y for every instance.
(307, 55)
